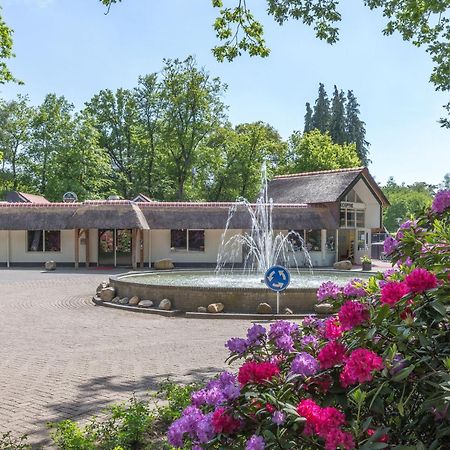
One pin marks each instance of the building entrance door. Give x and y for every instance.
(114, 247)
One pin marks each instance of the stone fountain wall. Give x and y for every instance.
(235, 300)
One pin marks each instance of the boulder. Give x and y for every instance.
(145, 303)
(163, 264)
(343, 265)
(107, 294)
(123, 301)
(115, 300)
(324, 308)
(215, 307)
(288, 311)
(134, 301)
(50, 265)
(264, 308)
(165, 304)
(202, 309)
(101, 286)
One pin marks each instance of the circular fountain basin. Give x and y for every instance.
(239, 292)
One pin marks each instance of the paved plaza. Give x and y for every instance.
(62, 357)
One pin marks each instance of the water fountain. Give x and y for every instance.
(239, 289)
(262, 245)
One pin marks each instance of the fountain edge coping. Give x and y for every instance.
(160, 312)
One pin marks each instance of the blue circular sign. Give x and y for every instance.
(277, 278)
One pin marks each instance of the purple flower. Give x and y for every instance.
(237, 345)
(390, 244)
(194, 423)
(255, 333)
(398, 364)
(328, 290)
(309, 321)
(281, 327)
(310, 340)
(304, 364)
(408, 262)
(199, 398)
(255, 443)
(354, 289)
(441, 201)
(278, 418)
(285, 343)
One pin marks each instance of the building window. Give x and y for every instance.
(313, 240)
(44, 241)
(351, 217)
(187, 240)
(330, 243)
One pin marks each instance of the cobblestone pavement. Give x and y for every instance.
(61, 357)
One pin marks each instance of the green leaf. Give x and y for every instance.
(439, 307)
(403, 373)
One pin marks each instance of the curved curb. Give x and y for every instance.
(159, 312)
(244, 316)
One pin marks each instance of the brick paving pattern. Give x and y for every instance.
(62, 357)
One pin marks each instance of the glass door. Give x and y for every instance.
(123, 248)
(106, 246)
(361, 248)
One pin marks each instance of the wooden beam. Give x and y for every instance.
(149, 235)
(8, 249)
(87, 247)
(133, 248)
(141, 249)
(77, 247)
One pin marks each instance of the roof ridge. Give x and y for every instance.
(319, 172)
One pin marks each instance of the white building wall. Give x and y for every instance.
(19, 253)
(3, 246)
(160, 247)
(373, 209)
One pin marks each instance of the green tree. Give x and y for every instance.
(316, 151)
(445, 182)
(337, 120)
(355, 128)
(82, 167)
(192, 109)
(308, 118)
(16, 117)
(6, 52)
(406, 201)
(115, 116)
(52, 129)
(321, 116)
(148, 98)
(233, 159)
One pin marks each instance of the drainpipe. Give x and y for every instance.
(336, 246)
(149, 234)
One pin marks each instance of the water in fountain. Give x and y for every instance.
(262, 246)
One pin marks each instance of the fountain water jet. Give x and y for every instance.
(264, 248)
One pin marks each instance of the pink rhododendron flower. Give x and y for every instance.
(257, 372)
(337, 438)
(390, 244)
(354, 289)
(328, 290)
(223, 422)
(420, 280)
(332, 329)
(393, 291)
(352, 314)
(359, 367)
(333, 353)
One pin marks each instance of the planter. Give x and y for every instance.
(366, 266)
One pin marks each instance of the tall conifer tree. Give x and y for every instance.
(321, 116)
(356, 128)
(337, 120)
(308, 118)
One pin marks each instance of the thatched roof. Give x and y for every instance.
(214, 216)
(108, 214)
(29, 216)
(321, 187)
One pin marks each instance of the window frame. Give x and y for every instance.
(187, 249)
(43, 234)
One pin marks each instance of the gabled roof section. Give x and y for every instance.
(24, 197)
(327, 186)
(142, 198)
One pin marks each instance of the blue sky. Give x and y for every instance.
(72, 48)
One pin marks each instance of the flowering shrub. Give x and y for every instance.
(376, 375)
